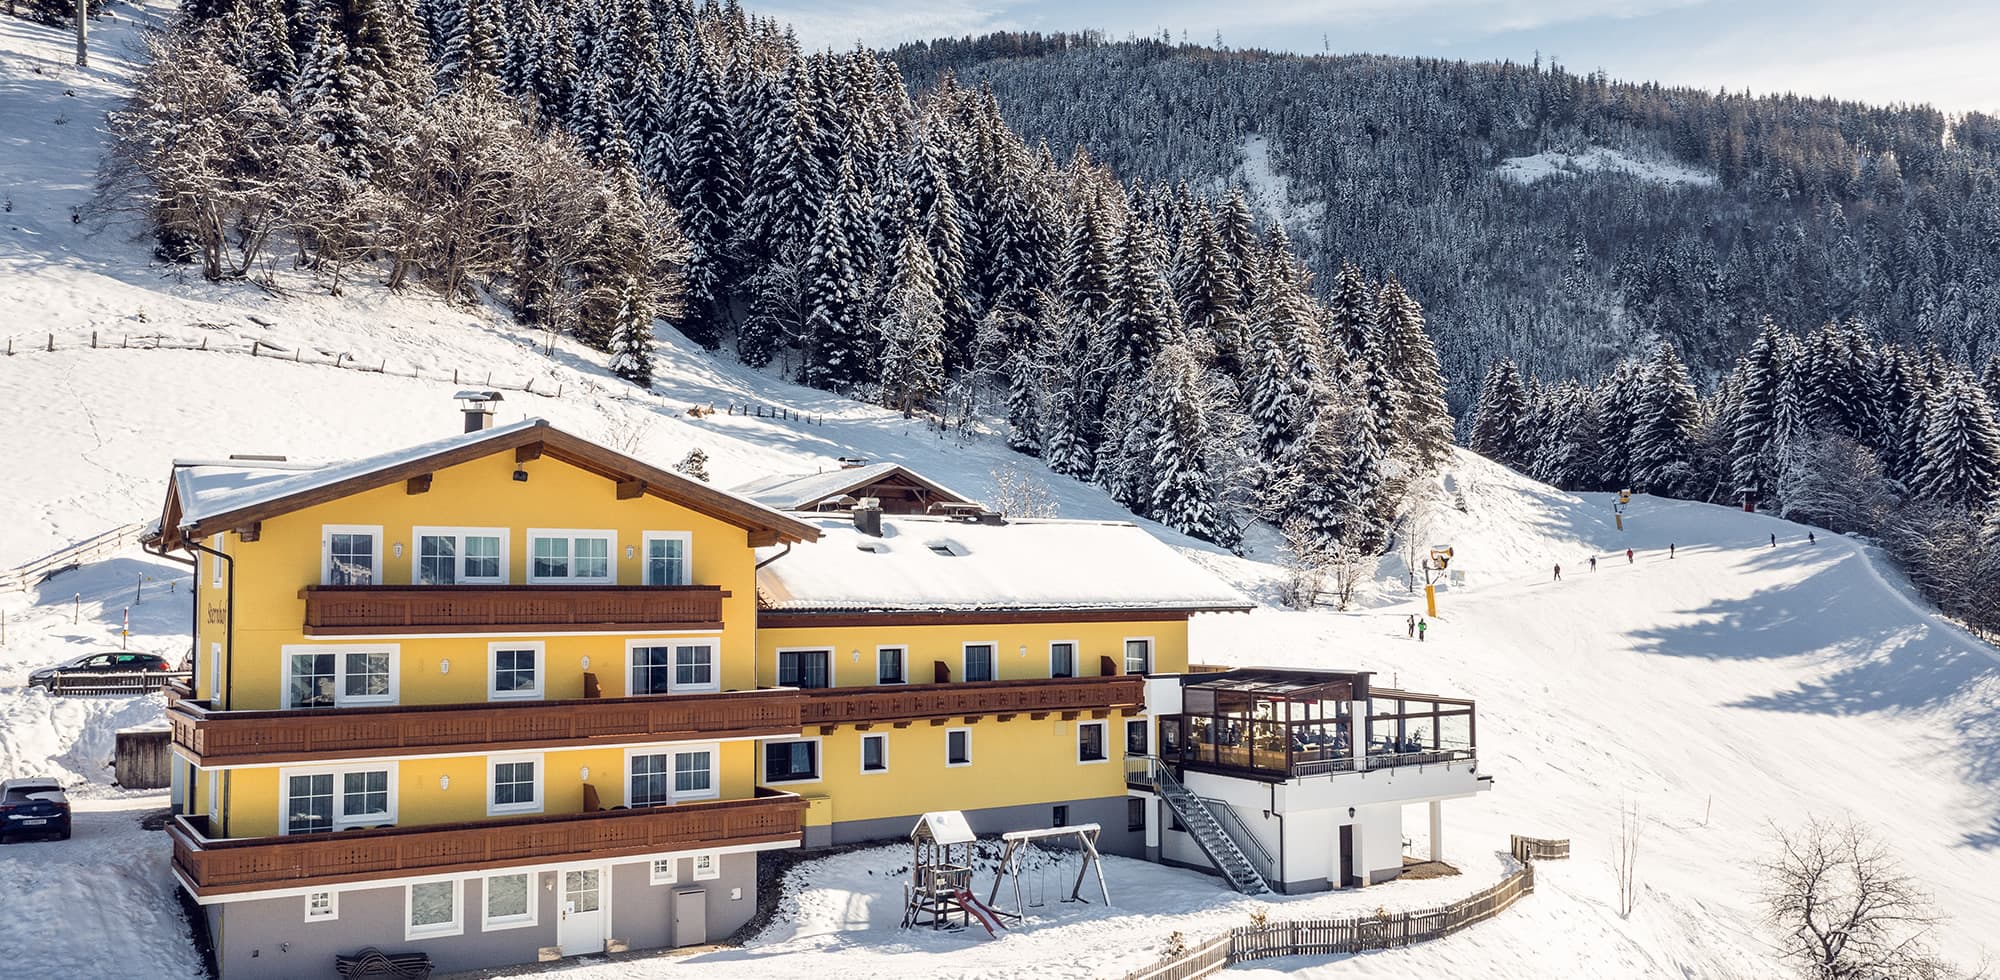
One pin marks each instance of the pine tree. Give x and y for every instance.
(709, 193)
(1184, 493)
(632, 335)
(1669, 415)
(1752, 451)
(1498, 427)
(1210, 297)
(1960, 465)
(1424, 424)
(1352, 310)
(1142, 317)
(912, 365)
(836, 331)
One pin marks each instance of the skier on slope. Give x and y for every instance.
(1422, 626)
(1670, 550)
(1593, 563)
(1812, 538)
(1774, 540)
(1412, 624)
(1628, 556)
(1559, 573)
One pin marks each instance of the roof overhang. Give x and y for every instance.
(633, 477)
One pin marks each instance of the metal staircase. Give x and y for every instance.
(1208, 832)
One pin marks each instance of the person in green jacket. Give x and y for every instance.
(1422, 625)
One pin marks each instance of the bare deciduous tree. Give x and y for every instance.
(1017, 493)
(1625, 860)
(1844, 909)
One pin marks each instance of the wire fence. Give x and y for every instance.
(482, 378)
(21, 578)
(1355, 934)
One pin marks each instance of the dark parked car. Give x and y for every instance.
(114, 662)
(33, 806)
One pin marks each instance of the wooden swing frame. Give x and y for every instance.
(1085, 836)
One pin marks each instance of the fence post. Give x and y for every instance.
(93, 340)
(52, 343)
(139, 592)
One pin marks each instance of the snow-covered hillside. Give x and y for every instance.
(1728, 687)
(1600, 159)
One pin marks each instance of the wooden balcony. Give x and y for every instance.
(222, 738)
(366, 610)
(901, 704)
(246, 864)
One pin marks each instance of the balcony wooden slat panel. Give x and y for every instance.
(360, 610)
(217, 867)
(247, 737)
(830, 706)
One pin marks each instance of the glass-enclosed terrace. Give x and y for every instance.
(1280, 724)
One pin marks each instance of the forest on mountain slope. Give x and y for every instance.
(598, 166)
(1820, 210)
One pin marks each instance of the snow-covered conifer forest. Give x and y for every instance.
(598, 165)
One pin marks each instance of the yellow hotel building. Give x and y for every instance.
(512, 696)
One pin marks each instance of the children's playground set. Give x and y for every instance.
(939, 893)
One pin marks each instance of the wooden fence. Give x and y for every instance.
(1336, 937)
(24, 577)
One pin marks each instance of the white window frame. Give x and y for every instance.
(965, 655)
(339, 772)
(332, 906)
(686, 538)
(674, 686)
(459, 534)
(341, 699)
(488, 922)
(819, 761)
(571, 535)
(215, 562)
(673, 753)
(903, 660)
(948, 764)
(455, 927)
(832, 662)
(1075, 658)
(1103, 742)
(1152, 654)
(672, 875)
(707, 866)
(540, 648)
(326, 533)
(863, 761)
(493, 784)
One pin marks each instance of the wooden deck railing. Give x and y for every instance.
(234, 865)
(863, 705)
(251, 737)
(353, 610)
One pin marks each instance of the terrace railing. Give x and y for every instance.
(361, 610)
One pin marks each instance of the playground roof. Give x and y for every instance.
(944, 827)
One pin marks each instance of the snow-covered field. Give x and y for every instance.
(1553, 163)
(1731, 686)
(1269, 192)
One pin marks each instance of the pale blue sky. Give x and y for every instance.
(1937, 52)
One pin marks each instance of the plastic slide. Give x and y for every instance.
(980, 912)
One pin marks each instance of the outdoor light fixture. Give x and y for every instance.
(583, 773)
(1350, 813)
(586, 661)
(398, 549)
(444, 782)
(628, 552)
(444, 666)
(520, 475)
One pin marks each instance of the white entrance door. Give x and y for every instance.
(581, 929)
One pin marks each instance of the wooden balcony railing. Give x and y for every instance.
(246, 864)
(218, 738)
(865, 705)
(359, 610)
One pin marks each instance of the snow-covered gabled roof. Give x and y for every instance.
(803, 492)
(210, 495)
(936, 564)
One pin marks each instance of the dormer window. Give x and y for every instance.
(946, 548)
